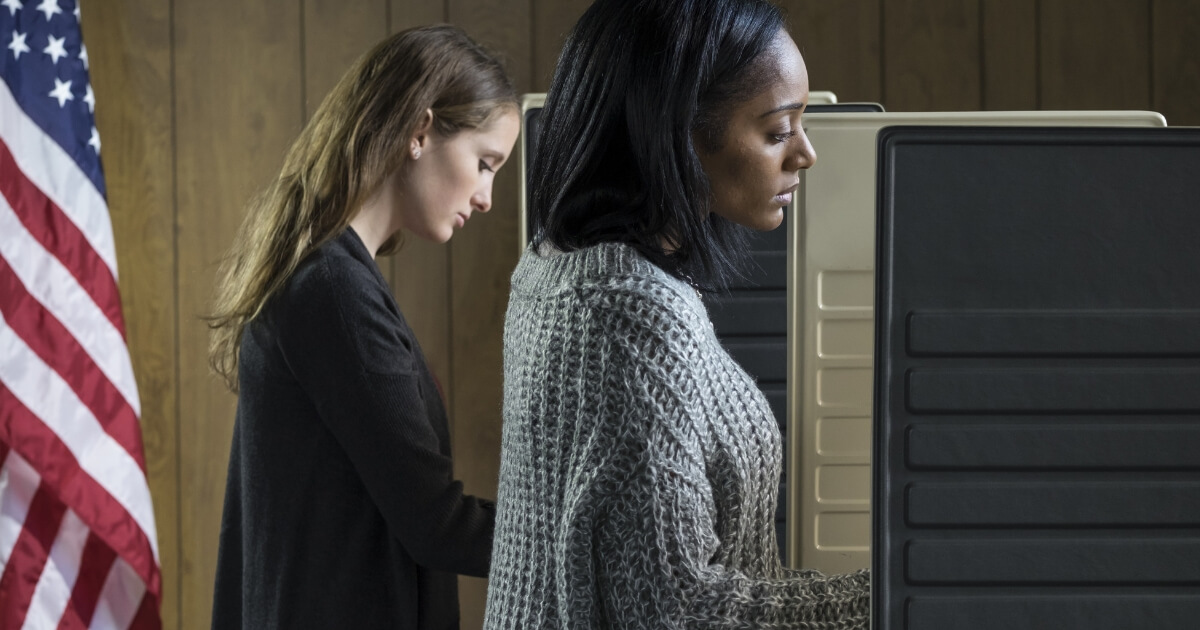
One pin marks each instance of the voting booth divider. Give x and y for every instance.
(1037, 387)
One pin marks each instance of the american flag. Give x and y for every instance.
(78, 547)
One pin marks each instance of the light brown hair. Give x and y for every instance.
(356, 138)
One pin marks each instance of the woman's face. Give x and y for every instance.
(452, 177)
(756, 171)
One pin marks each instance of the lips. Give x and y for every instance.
(460, 220)
(785, 196)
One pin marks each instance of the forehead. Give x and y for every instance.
(786, 78)
(501, 129)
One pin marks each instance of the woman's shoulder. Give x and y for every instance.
(623, 295)
(615, 270)
(339, 268)
(338, 293)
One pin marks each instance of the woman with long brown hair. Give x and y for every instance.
(341, 509)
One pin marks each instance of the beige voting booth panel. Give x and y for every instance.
(831, 285)
(822, 98)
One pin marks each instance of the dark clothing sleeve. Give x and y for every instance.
(343, 338)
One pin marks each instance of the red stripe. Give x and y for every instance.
(103, 514)
(95, 563)
(24, 567)
(3, 452)
(147, 617)
(60, 236)
(70, 620)
(51, 341)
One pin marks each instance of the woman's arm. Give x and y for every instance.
(639, 544)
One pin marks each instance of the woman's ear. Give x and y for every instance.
(420, 137)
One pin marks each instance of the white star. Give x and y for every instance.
(95, 141)
(50, 8)
(18, 45)
(62, 92)
(83, 55)
(12, 6)
(56, 48)
(77, 11)
(90, 99)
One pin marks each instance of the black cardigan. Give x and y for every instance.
(341, 509)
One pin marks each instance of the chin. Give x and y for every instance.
(769, 221)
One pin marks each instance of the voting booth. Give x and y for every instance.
(1037, 392)
(831, 324)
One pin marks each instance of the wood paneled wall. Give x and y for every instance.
(199, 99)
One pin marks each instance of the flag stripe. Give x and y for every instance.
(54, 172)
(20, 481)
(104, 514)
(25, 566)
(51, 284)
(70, 620)
(147, 617)
(52, 228)
(121, 598)
(96, 562)
(53, 591)
(51, 405)
(47, 338)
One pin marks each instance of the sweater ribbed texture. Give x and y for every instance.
(640, 464)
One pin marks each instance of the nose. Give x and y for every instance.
(803, 157)
(481, 201)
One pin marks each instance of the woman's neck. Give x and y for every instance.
(373, 222)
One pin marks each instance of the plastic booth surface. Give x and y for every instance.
(831, 319)
(1038, 388)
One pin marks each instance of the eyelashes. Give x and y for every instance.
(783, 137)
(483, 166)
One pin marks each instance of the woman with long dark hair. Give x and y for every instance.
(341, 509)
(640, 464)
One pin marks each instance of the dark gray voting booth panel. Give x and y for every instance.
(751, 321)
(1037, 383)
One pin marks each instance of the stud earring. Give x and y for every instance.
(416, 152)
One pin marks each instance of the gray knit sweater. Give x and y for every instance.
(640, 464)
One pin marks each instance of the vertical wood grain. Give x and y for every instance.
(334, 36)
(129, 52)
(841, 45)
(421, 270)
(238, 107)
(410, 13)
(1177, 61)
(482, 259)
(1010, 54)
(1095, 54)
(552, 21)
(931, 50)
